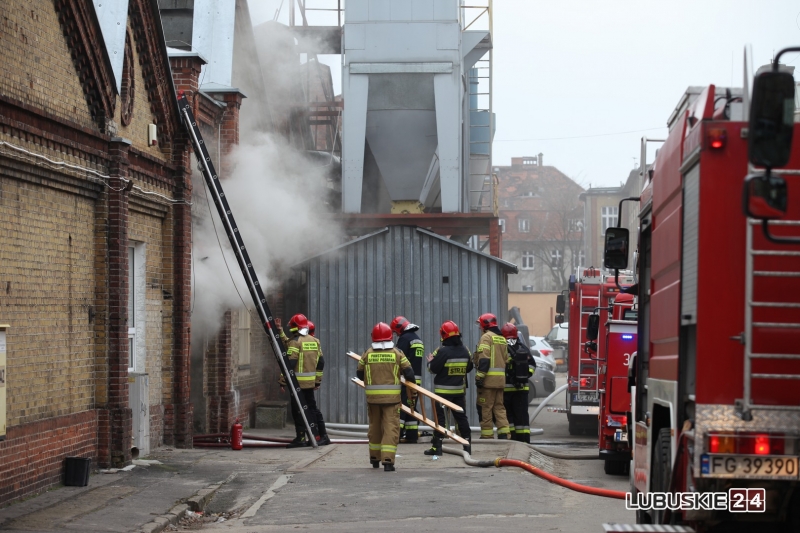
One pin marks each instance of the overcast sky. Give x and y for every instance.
(592, 69)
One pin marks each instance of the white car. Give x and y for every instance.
(543, 347)
(558, 338)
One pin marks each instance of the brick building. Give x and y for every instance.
(95, 238)
(601, 211)
(542, 223)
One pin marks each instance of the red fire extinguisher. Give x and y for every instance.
(236, 436)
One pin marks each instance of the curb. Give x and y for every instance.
(195, 503)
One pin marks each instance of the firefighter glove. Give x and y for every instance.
(479, 383)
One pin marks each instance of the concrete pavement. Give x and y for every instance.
(334, 489)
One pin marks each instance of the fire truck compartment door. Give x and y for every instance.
(620, 397)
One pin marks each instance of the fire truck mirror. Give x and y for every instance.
(616, 248)
(592, 327)
(764, 196)
(560, 304)
(559, 319)
(771, 119)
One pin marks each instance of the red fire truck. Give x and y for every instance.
(591, 294)
(615, 397)
(717, 402)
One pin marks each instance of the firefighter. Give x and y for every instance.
(412, 347)
(304, 355)
(515, 398)
(450, 365)
(490, 361)
(380, 368)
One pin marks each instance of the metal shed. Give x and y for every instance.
(399, 270)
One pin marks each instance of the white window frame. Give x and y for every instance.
(502, 224)
(528, 262)
(524, 225)
(244, 338)
(578, 259)
(556, 258)
(137, 275)
(608, 217)
(576, 224)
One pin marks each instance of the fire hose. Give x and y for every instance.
(594, 491)
(222, 440)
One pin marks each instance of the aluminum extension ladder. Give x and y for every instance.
(753, 303)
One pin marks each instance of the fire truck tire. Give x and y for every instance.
(615, 468)
(662, 455)
(574, 427)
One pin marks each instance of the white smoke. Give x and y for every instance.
(277, 199)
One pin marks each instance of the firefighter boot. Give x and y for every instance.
(388, 467)
(375, 464)
(468, 447)
(323, 439)
(299, 441)
(436, 446)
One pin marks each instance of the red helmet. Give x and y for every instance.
(487, 320)
(448, 329)
(399, 324)
(381, 332)
(509, 331)
(298, 322)
(311, 328)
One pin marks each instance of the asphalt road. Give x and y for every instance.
(339, 491)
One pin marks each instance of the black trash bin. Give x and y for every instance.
(76, 471)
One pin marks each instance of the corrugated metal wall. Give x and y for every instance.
(399, 271)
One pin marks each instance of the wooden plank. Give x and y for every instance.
(422, 418)
(420, 390)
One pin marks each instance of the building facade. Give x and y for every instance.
(95, 239)
(542, 224)
(601, 211)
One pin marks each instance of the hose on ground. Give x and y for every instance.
(594, 491)
(556, 455)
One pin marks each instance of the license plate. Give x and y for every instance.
(584, 397)
(620, 436)
(749, 466)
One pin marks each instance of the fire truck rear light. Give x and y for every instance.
(616, 421)
(583, 382)
(751, 443)
(721, 444)
(717, 138)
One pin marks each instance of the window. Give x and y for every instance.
(244, 338)
(524, 225)
(556, 259)
(527, 288)
(608, 217)
(576, 224)
(131, 309)
(528, 160)
(137, 351)
(502, 225)
(578, 259)
(527, 260)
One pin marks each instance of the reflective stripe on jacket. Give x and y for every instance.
(382, 370)
(305, 357)
(412, 347)
(490, 360)
(450, 365)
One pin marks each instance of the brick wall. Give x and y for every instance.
(63, 248)
(33, 455)
(46, 251)
(37, 64)
(143, 115)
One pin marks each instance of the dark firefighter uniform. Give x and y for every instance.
(450, 365)
(305, 358)
(380, 369)
(490, 377)
(412, 347)
(519, 369)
